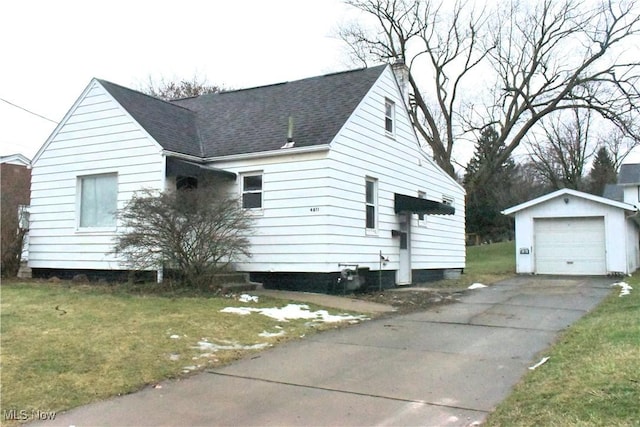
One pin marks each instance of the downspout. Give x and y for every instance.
(163, 187)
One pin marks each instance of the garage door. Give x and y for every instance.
(569, 246)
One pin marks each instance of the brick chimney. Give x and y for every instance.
(401, 71)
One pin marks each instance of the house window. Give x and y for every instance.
(421, 217)
(447, 201)
(98, 200)
(252, 191)
(371, 203)
(389, 116)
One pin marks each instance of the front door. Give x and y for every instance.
(404, 269)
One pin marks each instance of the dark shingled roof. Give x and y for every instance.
(629, 174)
(614, 192)
(251, 120)
(172, 126)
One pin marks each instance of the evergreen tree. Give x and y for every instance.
(603, 172)
(486, 200)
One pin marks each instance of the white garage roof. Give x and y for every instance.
(569, 192)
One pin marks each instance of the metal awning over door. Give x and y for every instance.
(416, 205)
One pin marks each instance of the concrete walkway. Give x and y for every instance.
(449, 366)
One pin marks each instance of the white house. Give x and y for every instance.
(573, 233)
(329, 165)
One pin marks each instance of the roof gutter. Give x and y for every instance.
(271, 153)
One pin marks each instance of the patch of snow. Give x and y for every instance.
(625, 288)
(294, 311)
(175, 337)
(477, 286)
(540, 363)
(174, 357)
(266, 334)
(247, 298)
(213, 347)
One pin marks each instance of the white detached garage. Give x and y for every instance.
(568, 232)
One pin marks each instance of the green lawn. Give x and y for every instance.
(67, 345)
(493, 259)
(592, 377)
(486, 264)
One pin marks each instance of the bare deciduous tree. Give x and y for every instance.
(179, 88)
(562, 155)
(197, 233)
(416, 33)
(618, 145)
(554, 56)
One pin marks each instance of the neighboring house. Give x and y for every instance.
(330, 167)
(15, 177)
(574, 233)
(628, 187)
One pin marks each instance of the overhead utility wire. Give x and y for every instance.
(28, 111)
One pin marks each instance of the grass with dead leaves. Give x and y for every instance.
(592, 377)
(67, 345)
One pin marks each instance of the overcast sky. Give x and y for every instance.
(50, 50)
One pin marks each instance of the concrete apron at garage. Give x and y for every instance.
(447, 366)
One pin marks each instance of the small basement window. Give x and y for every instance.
(252, 191)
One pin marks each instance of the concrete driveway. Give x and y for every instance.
(448, 366)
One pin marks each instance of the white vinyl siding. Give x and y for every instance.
(290, 233)
(96, 138)
(361, 149)
(98, 201)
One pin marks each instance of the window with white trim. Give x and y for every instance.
(98, 201)
(389, 116)
(446, 200)
(371, 203)
(252, 191)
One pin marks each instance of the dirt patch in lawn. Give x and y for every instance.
(410, 300)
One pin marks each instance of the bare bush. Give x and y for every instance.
(197, 233)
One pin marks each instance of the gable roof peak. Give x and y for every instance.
(570, 192)
(251, 120)
(139, 92)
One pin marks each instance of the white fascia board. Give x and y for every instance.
(569, 192)
(271, 153)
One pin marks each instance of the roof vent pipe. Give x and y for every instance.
(290, 143)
